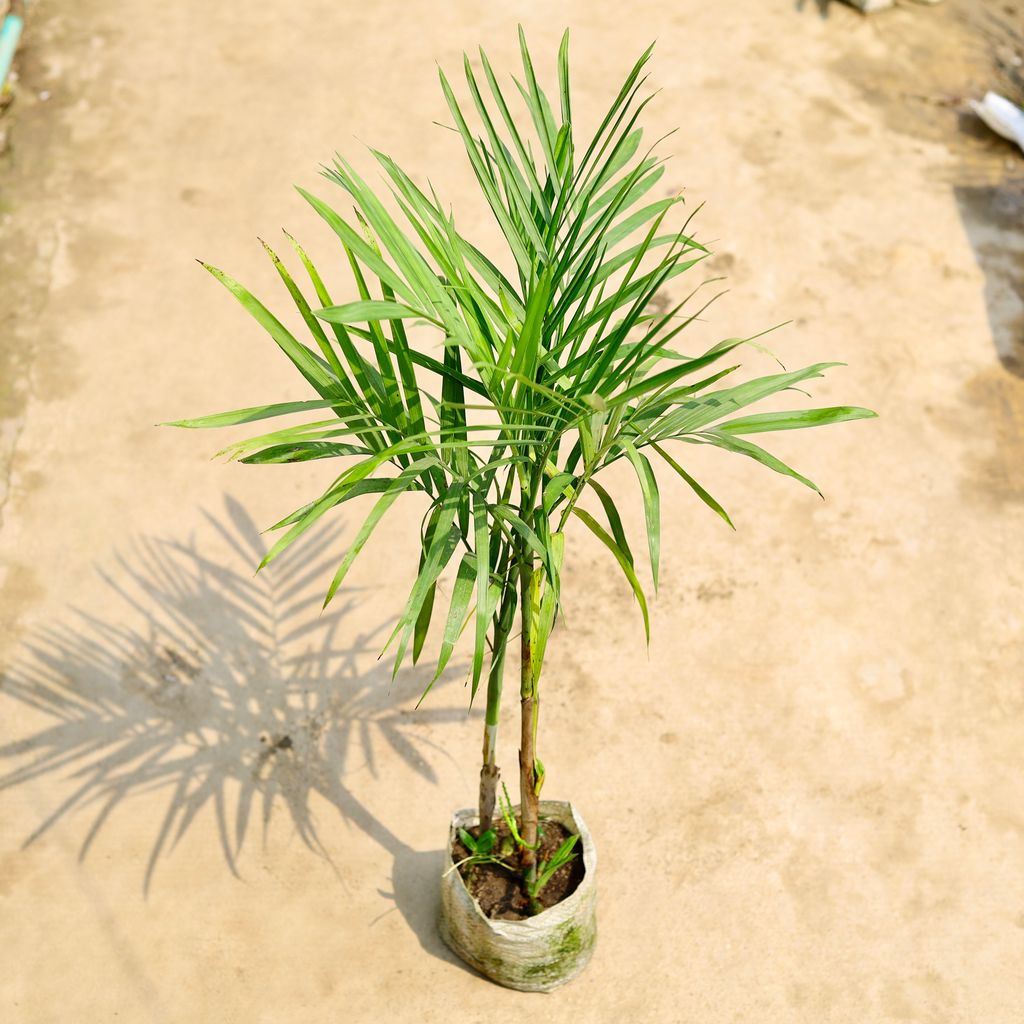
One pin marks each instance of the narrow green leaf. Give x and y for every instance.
(303, 451)
(335, 496)
(614, 520)
(555, 490)
(437, 558)
(440, 543)
(366, 377)
(735, 444)
(370, 310)
(698, 412)
(528, 349)
(396, 487)
(250, 415)
(509, 516)
(652, 505)
(462, 591)
(538, 774)
(525, 158)
(501, 214)
(696, 487)
(311, 322)
(354, 241)
(794, 420)
(538, 106)
(563, 79)
(624, 563)
(374, 486)
(312, 368)
(423, 623)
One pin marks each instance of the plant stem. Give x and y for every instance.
(489, 769)
(528, 711)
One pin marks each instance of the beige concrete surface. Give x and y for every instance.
(807, 796)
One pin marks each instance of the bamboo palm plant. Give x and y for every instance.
(532, 383)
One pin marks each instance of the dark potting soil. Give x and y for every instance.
(498, 890)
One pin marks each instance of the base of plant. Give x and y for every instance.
(498, 887)
(535, 953)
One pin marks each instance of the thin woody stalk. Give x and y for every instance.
(503, 622)
(528, 701)
(489, 769)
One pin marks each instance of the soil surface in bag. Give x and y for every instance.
(498, 890)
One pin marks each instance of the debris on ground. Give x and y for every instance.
(1002, 116)
(11, 24)
(870, 6)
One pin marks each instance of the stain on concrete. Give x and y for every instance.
(716, 590)
(884, 683)
(34, 360)
(723, 827)
(15, 869)
(985, 432)
(20, 589)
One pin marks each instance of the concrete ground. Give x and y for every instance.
(807, 796)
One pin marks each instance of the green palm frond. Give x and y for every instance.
(544, 381)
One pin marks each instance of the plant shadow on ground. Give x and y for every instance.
(233, 697)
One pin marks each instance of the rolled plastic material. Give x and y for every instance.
(536, 954)
(870, 6)
(1002, 116)
(10, 33)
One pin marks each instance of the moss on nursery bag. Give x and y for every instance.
(497, 419)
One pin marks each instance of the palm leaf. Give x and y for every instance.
(535, 380)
